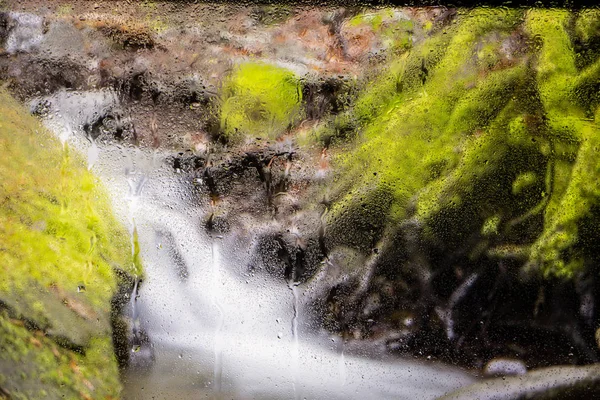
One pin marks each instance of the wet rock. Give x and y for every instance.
(187, 162)
(217, 224)
(4, 27)
(504, 367)
(142, 352)
(563, 382)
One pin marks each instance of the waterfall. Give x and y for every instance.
(214, 325)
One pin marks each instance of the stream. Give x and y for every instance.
(217, 329)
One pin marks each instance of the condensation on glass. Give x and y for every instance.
(298, 201)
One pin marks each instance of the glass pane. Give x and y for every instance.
(281, 200)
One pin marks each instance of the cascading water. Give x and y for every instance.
(218, 364)
(217, 330)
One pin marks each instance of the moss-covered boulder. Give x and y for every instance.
(59, 249)
(416, 121)
(259, 101)
(490, 119)
(468, 174)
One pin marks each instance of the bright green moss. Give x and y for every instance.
(523, 181)
(419, 133)
(555, 251)
(462, 136)
(60, 243)
(573, 143)
(33, 366)
(402, 76)
(259, 100)
(587, 25)
(491, 225)
(556, 71)
(480, 188)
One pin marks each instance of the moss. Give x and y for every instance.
(393, 29)
(364, 214)
(259, 100)
(556, 71)
(402, 76)
(58, 236)
(587, 25)
(462, 136)
(523, 181)
(420, 132)
(574, 139)
(33, 366)
(490, 226)
(587, 36)
(556, 251)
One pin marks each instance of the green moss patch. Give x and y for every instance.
(489, 126)
(59, 245)
(259, 100)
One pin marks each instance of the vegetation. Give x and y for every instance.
(59, 246)
(259, 100)
(489, 119)
(393, 28)
(467, 169)
(468, 177)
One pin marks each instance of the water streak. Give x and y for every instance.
(295, 347)
(135, 328)
(342, 365)
(218, 339)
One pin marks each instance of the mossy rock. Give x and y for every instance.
(259, 101)
(59, 246)
(486, 132)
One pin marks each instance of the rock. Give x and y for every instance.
(55, 338)
(562, 382)
(504, 367)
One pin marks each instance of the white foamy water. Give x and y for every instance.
(217, 330)
(26, 33)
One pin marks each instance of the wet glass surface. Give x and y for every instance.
(298, 201)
